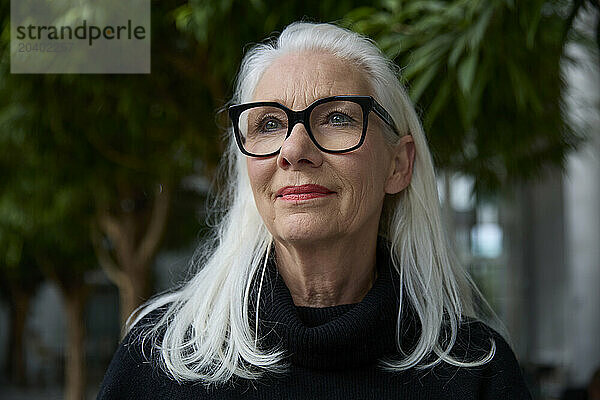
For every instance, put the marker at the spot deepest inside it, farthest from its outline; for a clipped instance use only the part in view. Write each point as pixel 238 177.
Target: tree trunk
pixel 75 360
pixel 134 292
pixel 135 235
pixel 18 317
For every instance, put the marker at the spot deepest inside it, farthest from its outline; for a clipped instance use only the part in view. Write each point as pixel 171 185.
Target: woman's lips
pixel 302 192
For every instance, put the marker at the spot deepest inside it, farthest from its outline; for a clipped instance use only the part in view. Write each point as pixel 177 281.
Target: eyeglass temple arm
pixel 385 116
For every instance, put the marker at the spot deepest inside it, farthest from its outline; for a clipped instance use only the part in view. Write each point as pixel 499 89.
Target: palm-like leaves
pixel 487 75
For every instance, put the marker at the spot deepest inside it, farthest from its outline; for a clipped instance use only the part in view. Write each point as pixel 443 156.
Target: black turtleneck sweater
pixel 333 354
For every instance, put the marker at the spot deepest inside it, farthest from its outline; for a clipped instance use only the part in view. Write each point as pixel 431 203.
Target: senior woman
pixel 329 276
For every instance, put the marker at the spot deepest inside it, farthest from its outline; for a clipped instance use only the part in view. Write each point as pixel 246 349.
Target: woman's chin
pixel 304 228
pixel 302 237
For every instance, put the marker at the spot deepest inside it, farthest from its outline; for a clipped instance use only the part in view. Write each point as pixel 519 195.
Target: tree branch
pixel 157 226
pixel 110 268
pixel 110 226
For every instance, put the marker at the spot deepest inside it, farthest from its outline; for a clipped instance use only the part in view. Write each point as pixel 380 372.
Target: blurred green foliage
pixel 72 144
pixel 77 144
pixel 487 77
pixel 73 147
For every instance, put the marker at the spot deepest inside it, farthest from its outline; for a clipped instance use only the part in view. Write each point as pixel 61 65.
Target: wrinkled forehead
pixel 297 80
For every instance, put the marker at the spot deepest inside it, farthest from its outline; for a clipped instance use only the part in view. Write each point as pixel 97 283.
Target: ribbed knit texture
pixel 333 354
pixel 339 337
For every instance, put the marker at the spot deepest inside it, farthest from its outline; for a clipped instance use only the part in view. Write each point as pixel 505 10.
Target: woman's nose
pixel 298 150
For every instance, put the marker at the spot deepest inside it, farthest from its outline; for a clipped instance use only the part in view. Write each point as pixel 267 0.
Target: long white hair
pixel 205 332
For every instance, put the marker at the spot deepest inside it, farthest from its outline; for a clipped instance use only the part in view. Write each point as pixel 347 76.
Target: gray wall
pixel 582 197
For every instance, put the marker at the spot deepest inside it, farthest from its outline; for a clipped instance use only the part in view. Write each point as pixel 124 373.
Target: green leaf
pixel 457 51
pixel 466 72
pixel 477 33
pixel 439 102
pixel 532 28
pixel 430 53
pixel 427 6
pixel 360 13
pixel 421 83
pixel 183 17
pixel 523 88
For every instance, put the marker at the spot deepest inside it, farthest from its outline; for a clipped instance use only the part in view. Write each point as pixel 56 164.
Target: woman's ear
pixel 403 157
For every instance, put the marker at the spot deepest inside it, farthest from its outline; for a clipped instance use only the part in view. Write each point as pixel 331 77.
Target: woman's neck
pixel 328 273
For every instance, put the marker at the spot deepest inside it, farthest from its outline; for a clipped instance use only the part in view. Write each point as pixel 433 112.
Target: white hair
pixel 206 333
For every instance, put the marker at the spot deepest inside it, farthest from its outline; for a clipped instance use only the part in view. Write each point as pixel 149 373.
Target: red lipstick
pixel 302 192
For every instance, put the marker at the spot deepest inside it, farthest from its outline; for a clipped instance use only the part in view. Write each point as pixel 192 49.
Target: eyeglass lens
pixel 335 125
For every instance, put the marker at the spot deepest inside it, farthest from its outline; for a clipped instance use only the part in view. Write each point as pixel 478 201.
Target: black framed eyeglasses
pixel 335 124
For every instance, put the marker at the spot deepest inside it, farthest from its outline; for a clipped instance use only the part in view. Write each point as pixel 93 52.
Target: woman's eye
pixel 270 125
pixel 339 119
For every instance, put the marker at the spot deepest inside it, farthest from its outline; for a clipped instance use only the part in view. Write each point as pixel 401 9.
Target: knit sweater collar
pixel 337 337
